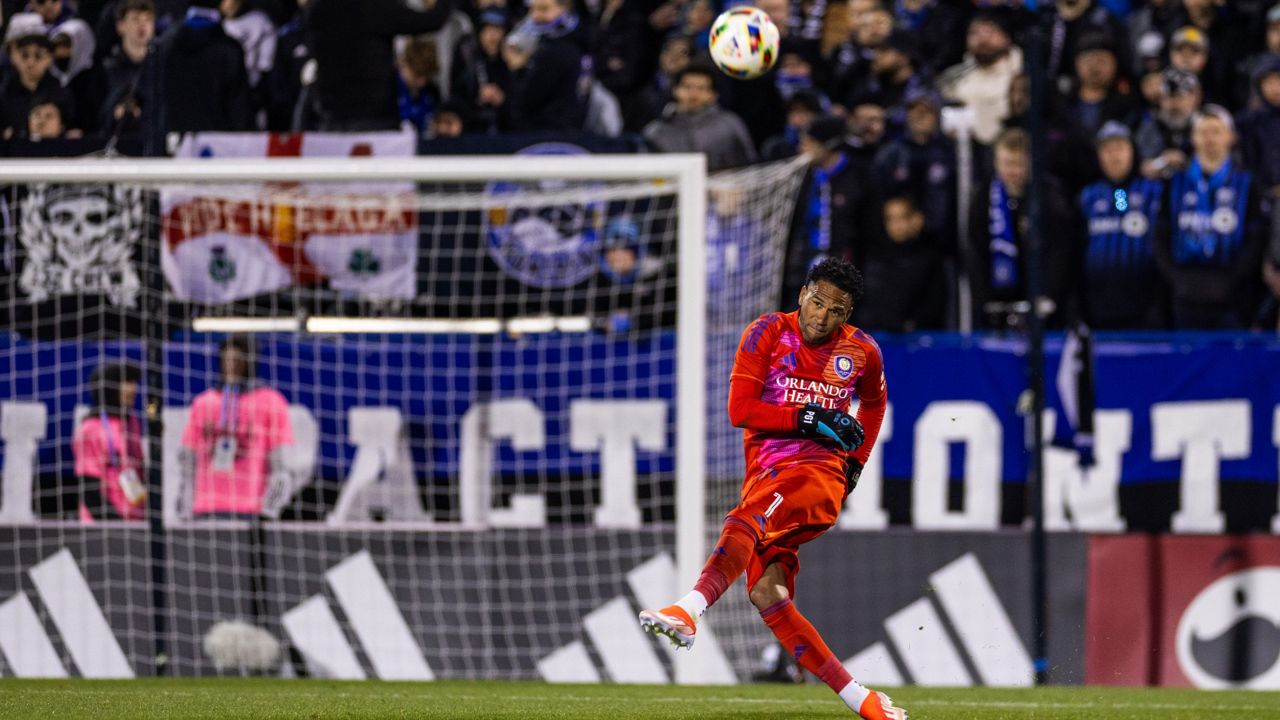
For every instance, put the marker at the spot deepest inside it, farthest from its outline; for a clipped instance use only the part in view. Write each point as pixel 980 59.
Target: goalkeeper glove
pixel 813 420
pixel 852 473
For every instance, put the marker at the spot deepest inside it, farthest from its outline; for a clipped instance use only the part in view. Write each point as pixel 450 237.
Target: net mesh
pixel 483 486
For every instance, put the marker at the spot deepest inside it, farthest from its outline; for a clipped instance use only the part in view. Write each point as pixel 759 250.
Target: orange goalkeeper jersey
pixel 775 372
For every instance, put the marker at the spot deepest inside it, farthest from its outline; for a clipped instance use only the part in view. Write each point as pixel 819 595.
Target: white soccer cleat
pixel 671 622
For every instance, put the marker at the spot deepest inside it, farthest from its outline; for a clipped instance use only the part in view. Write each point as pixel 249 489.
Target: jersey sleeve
pixel 873 397
pixel 750 367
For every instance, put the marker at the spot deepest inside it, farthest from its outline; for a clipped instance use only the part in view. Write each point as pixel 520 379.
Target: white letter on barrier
pixel 616 427
pixel 1091 494
pixel 22 425
pixel 523 424
pixel 863 511
pixel 175 423
pixel 1202 434
pixel 974 424
pixel 381 477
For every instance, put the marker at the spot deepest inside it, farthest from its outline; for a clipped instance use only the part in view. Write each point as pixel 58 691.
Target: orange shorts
pixel 788 507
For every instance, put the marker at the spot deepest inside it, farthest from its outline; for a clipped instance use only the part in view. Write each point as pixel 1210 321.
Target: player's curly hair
pixel 841 273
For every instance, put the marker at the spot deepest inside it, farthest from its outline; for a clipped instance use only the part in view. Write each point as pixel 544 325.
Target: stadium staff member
pixel 233 447
pixel 793 378
pixel 1212 244
pixel 107 447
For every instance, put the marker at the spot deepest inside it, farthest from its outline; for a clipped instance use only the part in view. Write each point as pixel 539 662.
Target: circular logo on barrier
pixel 1134 224
pixel 1229 636
pixel 554 244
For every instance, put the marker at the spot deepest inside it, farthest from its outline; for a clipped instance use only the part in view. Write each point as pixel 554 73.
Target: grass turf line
pixel 269 699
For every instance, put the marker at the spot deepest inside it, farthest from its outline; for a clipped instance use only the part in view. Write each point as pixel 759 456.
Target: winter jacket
pixel 552 90
pixel 1259 131
pixel 984 89
pixel 351 41
pixel 713 131
pixel 203 85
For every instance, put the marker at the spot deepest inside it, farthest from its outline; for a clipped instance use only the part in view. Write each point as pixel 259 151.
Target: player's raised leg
pixel 799 637
pixel 679 622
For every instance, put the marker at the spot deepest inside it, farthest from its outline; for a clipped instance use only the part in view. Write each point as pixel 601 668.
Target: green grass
pixel 322 700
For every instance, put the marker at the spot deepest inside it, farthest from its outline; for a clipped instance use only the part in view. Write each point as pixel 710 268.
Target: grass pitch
pixel 216 699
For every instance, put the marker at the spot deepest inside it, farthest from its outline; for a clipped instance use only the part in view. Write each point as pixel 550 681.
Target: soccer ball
pixel 744 42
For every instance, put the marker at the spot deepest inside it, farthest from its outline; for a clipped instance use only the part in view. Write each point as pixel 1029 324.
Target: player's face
pixel 823 309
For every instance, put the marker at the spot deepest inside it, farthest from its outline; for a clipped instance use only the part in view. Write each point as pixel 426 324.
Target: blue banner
pixel 1171 389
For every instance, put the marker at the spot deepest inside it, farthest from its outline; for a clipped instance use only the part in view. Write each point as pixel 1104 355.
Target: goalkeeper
pixel 792 382
pixel 233 463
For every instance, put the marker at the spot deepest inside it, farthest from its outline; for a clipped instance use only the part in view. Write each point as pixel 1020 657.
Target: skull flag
pixel 80 240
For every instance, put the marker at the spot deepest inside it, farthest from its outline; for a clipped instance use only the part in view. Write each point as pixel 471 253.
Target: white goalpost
pixel 500 430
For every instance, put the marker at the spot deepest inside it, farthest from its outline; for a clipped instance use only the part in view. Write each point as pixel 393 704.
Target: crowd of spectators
pixel 1161 118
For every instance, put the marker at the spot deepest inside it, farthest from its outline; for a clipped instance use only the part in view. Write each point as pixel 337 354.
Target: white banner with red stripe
pixel 226 243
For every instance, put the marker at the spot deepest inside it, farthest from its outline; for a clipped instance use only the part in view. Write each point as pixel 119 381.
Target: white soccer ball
pixel 744 42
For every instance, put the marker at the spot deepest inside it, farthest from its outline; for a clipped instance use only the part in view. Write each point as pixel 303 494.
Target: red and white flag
pixel 224 243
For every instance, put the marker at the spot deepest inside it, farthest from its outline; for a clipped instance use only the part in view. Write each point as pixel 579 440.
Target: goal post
pixel 481 386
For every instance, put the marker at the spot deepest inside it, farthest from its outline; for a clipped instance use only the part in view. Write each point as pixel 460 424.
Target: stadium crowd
pixel 1157 209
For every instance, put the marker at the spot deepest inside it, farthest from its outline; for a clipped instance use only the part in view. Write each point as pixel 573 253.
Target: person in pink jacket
pixel 233 446
pixel 107 447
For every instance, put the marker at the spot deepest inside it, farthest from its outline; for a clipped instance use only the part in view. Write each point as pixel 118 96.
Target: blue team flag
pixel 1074 427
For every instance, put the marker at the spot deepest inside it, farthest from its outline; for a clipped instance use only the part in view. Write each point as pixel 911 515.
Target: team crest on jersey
pixel 1224 220
pixel 844 366
pixel 550 245
pixel 1134 224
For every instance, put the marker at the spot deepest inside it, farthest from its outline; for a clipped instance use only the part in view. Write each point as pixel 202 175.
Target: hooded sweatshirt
pixel 202 79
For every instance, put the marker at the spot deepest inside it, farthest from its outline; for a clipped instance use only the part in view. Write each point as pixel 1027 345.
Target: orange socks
pixel 802 640
pixel 727 561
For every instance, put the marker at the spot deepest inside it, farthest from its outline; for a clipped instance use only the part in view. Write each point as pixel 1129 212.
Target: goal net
pixel 399 419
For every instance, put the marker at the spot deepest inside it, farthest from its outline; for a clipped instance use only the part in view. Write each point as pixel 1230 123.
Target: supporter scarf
pixel 1205 244
pixel 819 215
pixel 417 110
pixel 561 26
pixel 1004 244
pixel 789 84
pixel 198 17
